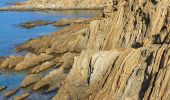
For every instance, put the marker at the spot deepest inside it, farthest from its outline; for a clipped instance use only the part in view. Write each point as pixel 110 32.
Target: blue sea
pixel 11 35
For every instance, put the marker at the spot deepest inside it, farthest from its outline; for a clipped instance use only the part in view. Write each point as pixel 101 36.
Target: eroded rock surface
pixel 52 81
pixel 32 60
pixel 30 79
pixel 122 56
pixel 64 22
pixel 36 23
pixel 22 97
pixel 12 92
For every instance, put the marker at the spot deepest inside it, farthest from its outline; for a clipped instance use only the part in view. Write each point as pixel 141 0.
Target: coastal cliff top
pixel 57 5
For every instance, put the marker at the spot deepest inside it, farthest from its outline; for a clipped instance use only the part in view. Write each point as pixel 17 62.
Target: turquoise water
pixel 12 35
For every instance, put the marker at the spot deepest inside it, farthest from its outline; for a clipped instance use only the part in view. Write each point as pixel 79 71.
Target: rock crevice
pixel 123 56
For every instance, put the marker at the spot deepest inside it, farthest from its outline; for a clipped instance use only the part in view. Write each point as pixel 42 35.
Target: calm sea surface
pixel 12 35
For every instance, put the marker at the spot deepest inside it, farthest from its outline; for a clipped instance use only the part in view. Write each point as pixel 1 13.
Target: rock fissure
pixel 123 55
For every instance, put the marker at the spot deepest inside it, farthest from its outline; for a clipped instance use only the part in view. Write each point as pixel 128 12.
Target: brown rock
pixel 42 67
pixel 74 40
pixel 124 56
pixel 30 79
pixel 15 3
pixel 66 60
pixel 81 76
pixel 11 62
pixel 64 22
pixel 63 39
pixel 22 97
pixel 33 24
pixel 2 88
pixel 2 59
pixel 38 45
pixel 12 92
pixel 140 73
pixel 32 60
pixel 53 80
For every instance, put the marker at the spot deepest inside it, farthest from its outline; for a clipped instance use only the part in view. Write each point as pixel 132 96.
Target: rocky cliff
pixel 123 56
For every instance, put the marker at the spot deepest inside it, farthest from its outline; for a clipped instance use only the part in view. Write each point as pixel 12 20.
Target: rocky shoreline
pixel 124 55
pixel 38 5
pixel 61 22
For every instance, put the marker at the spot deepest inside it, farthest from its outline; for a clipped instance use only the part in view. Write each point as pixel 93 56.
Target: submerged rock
pixel 33 24
pixel 12 92
pixel 22 97
pixel 2 88
pixel 2 59
pixel 15 3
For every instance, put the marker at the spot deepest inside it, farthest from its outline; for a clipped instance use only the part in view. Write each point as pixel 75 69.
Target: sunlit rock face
pixel 129 57
pixel 122 56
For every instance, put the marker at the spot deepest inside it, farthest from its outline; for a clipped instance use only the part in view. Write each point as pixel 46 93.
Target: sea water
pixel 11 35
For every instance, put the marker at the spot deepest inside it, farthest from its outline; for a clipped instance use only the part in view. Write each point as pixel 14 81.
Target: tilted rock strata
pixel 32 60
pixel 12 92
pixel 22 97
pixel 64 40
pixel 53 80
pixel 30 79
pixel 124 55
pixel 131 74
pixel 42 67
pixel 137 73
pixel 64 22
pixel 87 69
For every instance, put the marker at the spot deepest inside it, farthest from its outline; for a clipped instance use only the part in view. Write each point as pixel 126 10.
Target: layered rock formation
pixel 123 56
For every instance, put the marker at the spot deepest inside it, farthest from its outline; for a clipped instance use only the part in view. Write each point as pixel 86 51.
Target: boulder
pixel 51 81
pixel 32 60
pixel 11 62
pixel 30 79
pixel 42 67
